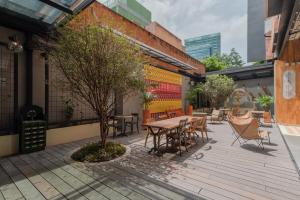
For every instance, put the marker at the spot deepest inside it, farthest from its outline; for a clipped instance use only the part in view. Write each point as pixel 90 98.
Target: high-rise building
pixel 256 50
pixel 130 9
pixel 203 46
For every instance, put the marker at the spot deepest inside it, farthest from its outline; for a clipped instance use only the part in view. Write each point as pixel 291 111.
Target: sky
pixel 191 18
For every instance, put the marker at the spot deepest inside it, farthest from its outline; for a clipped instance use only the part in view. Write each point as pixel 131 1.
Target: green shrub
pixel 94 153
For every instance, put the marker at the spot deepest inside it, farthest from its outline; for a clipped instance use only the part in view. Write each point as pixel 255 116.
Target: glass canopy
pixel 48 11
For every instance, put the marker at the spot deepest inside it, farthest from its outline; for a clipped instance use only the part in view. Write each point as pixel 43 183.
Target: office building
pixel 256 50
pixel 203 46
pixel 130 9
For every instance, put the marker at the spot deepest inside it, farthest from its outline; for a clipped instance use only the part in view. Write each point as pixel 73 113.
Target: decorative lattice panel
pixel 58 96
pixel 7 121
pixel 168 91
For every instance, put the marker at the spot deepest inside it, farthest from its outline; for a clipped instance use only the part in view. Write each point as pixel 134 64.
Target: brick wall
pixel 161 32
pixel 98 13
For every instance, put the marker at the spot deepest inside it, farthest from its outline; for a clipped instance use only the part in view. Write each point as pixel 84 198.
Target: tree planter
pixel 146 115
pixel 190 110
pixel 267 117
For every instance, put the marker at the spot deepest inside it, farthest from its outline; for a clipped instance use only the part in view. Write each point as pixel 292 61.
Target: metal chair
pixel 115 125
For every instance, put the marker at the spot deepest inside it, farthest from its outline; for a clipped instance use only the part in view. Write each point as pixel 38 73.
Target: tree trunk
pixel 102 133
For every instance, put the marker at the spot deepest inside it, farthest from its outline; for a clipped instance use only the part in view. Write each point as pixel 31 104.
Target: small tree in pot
pixel 192 96
pixel 265 101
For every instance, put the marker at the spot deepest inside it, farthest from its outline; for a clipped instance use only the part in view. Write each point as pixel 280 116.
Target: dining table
pixel 162 127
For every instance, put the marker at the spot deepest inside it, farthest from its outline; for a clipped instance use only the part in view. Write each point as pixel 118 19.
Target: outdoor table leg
pixel 123 128
pixel 156 142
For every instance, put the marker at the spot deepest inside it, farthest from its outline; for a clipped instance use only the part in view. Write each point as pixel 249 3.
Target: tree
pixel 218 88
pixel 98 67
pixel 214 63
pixel 233 59
pixel 219 62
pixel 194 92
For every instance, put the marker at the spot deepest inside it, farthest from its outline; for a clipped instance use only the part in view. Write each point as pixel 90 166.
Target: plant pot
pixel 146 115
pixel 267 116
pixel 190 110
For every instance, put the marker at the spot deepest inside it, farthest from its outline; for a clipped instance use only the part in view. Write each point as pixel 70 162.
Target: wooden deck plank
pixel 59 184
pixel 190 174
pixel 47 190
pixel 105 180
pixel 213 170
pixel 23 184
pixel 96 184
pixel 153 190
pixel 75 182
pixel 203 182
pixel 151 193
pixel 157 189
pixel 200 169
pixel 8 189
pixel 1 196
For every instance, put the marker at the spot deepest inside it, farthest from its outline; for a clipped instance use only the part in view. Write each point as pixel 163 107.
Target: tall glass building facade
pixel 203 46
pixel 130 9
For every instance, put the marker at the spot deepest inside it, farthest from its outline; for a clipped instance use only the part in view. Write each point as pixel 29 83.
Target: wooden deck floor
pixel 213 170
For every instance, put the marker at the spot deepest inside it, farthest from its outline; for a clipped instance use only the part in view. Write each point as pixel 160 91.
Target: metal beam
pixel 58 6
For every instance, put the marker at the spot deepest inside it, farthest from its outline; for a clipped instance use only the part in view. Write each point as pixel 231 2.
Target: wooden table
pixel 163 127
pixel 123 118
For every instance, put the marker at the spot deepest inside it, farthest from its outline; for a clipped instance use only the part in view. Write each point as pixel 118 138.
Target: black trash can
pixel 32 129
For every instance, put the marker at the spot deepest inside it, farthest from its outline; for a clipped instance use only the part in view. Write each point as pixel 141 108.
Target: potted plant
pixel 69 109
pixel 192 96
pixel 265 101
pixel 148 97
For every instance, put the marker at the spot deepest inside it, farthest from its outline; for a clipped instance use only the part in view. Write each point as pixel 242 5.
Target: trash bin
pixel 32 129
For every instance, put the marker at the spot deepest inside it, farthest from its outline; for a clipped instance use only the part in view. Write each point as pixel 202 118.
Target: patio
pixel 214 170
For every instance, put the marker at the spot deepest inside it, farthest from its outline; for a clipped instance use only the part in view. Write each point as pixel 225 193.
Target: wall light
pixel 14 44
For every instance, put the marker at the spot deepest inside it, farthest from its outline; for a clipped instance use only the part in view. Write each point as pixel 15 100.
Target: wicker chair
pixel 215 116
pixel 191 130
pixel 179 135
pixel 202 127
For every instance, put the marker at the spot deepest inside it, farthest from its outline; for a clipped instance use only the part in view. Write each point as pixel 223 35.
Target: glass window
pixel 39 10
pixel 32 8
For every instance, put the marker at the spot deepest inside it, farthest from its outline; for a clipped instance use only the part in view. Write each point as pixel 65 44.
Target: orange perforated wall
pixel 168 91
